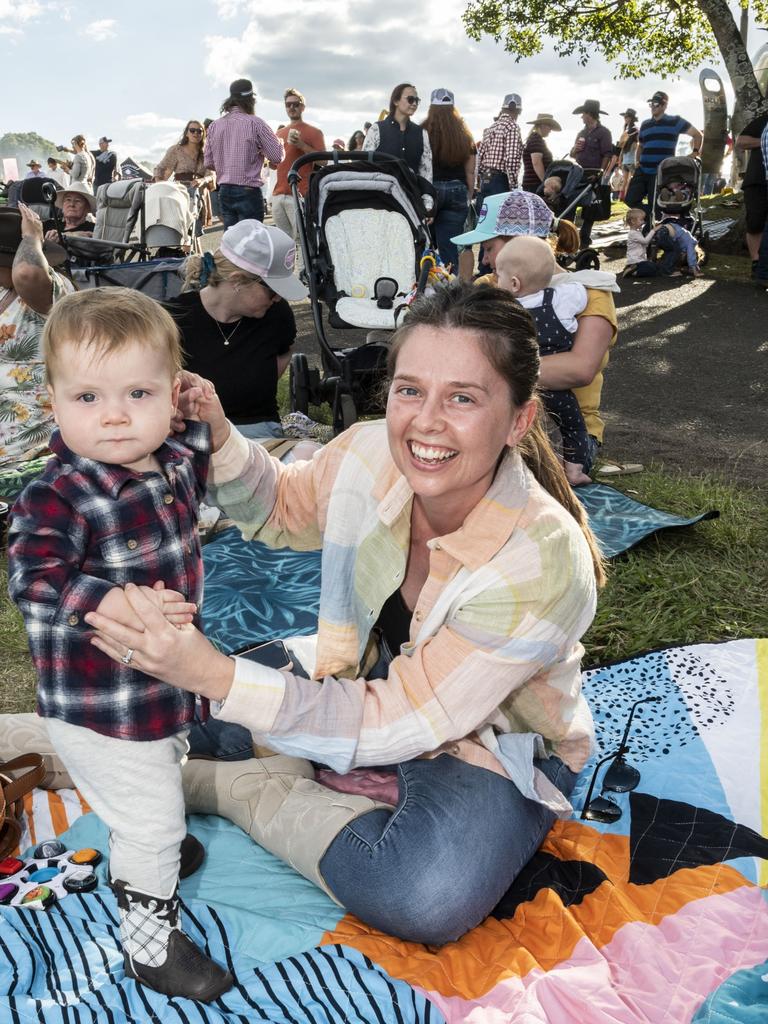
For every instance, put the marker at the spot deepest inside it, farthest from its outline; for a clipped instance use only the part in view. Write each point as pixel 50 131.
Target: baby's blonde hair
pixel 532 261
pixel 634 214
pixel 110 319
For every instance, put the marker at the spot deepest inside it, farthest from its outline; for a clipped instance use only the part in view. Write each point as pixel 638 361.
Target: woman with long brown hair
pixel 184 160
pixel 453 170
pixel 459 574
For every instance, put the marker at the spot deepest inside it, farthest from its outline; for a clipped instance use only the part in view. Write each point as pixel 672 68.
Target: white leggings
pixel 135 788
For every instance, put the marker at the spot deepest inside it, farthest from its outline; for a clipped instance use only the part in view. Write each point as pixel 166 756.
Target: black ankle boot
pixel 187 972
pixel 152 923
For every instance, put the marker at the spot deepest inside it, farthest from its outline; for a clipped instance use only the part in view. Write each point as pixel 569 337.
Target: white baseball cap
pixel 266 252
pixel 512 99
pixel 441 98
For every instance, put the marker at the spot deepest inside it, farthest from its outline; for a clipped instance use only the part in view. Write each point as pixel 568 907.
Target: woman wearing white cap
pixel 453 170
pixel 236 326
pixel 78 206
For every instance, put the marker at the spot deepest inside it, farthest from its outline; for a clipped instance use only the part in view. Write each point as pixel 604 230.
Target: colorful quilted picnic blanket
pixel 659 917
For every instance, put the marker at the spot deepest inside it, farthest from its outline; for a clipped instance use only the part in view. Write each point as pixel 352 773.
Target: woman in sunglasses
pixel 397 135
pixel 184 160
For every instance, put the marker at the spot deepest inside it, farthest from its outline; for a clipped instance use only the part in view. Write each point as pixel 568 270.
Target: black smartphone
pixel 273 654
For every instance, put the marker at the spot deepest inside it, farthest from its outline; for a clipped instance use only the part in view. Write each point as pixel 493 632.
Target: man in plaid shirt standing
pixel 499 157
pixel 236 147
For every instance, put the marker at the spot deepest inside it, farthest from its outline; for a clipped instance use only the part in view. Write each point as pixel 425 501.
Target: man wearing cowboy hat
pixel 536 154
pixel 35 170
pixel 592 149
pixel 657 140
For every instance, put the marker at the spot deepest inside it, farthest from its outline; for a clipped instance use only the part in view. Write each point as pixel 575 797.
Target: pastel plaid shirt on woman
pixel 236 147
pixel 502 148
pixel 494 645
pixel 81 529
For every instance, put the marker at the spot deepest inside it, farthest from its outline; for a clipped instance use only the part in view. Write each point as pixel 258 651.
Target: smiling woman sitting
pixel 458 577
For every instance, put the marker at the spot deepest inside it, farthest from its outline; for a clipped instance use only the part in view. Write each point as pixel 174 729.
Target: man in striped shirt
pixel 657 140
pixel 237 145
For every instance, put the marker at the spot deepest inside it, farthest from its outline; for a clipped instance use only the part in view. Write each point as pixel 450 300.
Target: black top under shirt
pixel 755 172
pixel 244 372
pixel 394 622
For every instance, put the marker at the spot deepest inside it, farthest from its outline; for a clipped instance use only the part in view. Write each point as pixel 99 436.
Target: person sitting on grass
pixel 525 267
pixel 118 504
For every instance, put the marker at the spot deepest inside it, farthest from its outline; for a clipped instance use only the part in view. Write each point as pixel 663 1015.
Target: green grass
pixel 700 584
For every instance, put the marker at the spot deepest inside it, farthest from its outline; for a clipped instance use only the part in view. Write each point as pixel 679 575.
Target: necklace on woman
pixel 226 337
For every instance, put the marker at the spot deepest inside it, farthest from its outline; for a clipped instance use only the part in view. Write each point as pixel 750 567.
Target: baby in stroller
pixel 525 267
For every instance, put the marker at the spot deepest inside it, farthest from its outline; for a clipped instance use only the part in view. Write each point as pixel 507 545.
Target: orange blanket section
pixel 59 818
pixel 542 933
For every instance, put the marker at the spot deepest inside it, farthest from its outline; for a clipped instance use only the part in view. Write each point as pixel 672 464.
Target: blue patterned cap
pixel 509 214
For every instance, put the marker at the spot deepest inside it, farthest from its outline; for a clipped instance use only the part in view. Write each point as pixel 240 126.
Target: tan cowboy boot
pixel 26 734
pixel 278 803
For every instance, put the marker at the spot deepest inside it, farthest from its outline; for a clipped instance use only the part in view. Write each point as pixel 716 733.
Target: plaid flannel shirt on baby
pixel 82 528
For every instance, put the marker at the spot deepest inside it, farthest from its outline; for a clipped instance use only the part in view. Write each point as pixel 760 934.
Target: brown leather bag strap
pixel 15 788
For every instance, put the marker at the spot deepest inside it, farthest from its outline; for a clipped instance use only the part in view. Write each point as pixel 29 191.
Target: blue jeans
pixel 223 741
pixel 671 249
pixel 439 864
pixel 497 184
pixel 240 202
pixel 642 186
pixel 761 269
pixel 452 200
pixel 259 431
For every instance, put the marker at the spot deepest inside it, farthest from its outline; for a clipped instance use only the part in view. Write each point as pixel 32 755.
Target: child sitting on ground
pixel 525 267
pixel 671 238
pixel 117 507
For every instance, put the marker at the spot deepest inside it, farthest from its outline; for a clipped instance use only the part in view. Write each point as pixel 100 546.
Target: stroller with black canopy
pixel 363 234
pixel 678 194
pixel 579 186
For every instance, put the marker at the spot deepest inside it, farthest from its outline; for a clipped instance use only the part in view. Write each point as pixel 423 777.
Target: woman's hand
pixel 181 657
pixel 52 235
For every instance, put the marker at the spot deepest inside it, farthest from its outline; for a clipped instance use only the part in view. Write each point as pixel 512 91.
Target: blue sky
pixel 137 71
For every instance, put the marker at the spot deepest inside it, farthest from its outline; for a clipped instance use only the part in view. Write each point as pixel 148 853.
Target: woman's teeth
pixel 431 455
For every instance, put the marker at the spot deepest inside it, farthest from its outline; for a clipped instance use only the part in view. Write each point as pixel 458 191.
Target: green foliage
pixel 638 37
pixel 13 143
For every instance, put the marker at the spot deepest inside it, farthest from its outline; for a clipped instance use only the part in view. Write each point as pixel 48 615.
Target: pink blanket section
pixel 659 973
pixel 364 781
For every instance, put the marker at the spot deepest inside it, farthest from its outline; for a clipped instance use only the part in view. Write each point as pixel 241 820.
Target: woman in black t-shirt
pixel 236 327
pixel 536 155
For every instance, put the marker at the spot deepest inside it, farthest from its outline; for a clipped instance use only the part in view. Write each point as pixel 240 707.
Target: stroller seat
pixel 119 206
pixel 358 263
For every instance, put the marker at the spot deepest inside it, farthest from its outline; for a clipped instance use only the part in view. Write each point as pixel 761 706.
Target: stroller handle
pixel 337 156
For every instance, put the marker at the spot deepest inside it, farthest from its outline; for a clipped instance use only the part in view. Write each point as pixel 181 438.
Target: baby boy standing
pixel 117 505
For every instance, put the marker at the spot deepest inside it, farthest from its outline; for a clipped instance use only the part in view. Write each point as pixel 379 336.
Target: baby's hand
pixel 171 603
pixel 210 410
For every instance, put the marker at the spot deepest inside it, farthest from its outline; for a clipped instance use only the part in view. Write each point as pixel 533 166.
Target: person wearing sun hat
pixel 516 213
pixel 35 170
pixel 536 154
pixel 593 150
pixel 77 203
pixel 237 328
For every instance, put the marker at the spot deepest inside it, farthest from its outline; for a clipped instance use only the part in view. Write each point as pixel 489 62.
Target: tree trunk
pixel 749 99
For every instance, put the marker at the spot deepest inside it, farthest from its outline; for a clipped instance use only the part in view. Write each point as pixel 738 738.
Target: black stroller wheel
pixel 299 383
pixel 587 260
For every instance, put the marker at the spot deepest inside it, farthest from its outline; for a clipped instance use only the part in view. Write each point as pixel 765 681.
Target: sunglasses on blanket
pixel 620 777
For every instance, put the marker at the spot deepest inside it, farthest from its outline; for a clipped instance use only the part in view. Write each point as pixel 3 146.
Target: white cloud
pixel 153 120
pixel 20 10
pixel 7 30
pixel 98 31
